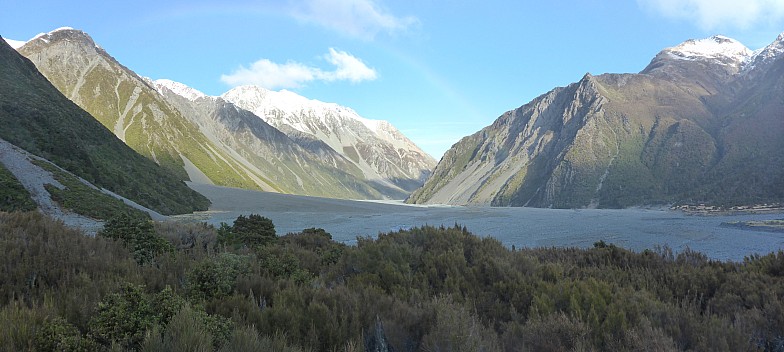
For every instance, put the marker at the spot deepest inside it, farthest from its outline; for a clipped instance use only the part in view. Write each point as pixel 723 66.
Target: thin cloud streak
pixel 716 14
pixel 362 19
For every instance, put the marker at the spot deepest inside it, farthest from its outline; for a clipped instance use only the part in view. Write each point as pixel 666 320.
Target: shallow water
pixel 636 229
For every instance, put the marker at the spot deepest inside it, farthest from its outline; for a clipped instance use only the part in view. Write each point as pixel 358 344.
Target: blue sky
pixel 438 70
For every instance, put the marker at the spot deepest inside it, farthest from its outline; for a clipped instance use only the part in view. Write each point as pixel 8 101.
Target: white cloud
pixel 272 75
pixel 358 18
pixel 348 67
pixel 714 14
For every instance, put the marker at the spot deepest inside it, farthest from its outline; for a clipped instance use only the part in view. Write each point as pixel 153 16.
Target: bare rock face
pixel 700 124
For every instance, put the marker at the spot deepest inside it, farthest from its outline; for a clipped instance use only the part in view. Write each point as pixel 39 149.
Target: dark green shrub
pixel 124 317
pixel 59 335
pixel 251 231
pixel 216 277
pixel 138 235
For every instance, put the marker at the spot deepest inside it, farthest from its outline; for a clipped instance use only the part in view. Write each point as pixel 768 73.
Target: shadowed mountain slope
pixel 702 123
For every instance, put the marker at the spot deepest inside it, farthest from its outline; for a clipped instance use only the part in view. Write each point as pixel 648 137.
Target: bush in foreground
pixel 422 289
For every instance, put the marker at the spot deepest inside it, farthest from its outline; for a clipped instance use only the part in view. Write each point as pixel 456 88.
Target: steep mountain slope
pixel 205 139
pixel 36 117
pixel 266 154
pixel 376 147
pixel 129 106
pixel 700 124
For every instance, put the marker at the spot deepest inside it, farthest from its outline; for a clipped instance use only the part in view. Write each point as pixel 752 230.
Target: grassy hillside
pixel 36 117
pixel 426 289
pixel 13 196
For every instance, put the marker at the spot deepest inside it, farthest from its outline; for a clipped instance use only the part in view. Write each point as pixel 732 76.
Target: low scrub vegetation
pixel 424 289
pixel 13 196
pixel 84 200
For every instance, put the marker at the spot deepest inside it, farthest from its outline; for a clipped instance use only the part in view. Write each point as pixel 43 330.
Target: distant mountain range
pixel 209 139
pixel 702 123
pixel 375 147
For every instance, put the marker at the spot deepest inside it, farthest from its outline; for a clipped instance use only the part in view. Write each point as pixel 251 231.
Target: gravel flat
pixel 637 229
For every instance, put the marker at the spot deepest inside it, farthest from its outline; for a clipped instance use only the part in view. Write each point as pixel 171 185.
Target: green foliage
pixel 313 248
pixel 19 324
pixel 13 196
pixel 281 263
pixel 125 317
pixel 254 230
pixel 185 332
pixel 248 339
pixel 251 231
pixel 82 199
pixel 59 335
pixel 216 277
pixel 35 116
pixel 421 289
pixel 138 235
pixel 456 329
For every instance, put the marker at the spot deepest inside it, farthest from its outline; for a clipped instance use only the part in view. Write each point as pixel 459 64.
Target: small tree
pixel 138 235
pixel 251 231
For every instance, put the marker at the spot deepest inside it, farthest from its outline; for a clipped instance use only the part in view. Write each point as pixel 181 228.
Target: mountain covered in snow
pixel 274 160
pixel 196 137
pixel 703 122
pixel 376 147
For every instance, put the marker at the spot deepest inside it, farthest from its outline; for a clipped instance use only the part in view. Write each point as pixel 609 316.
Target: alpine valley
pixel 210 140
pixel 105 176
pixel 702 123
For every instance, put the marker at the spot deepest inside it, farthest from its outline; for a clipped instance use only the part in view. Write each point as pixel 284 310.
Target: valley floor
pixel 636 229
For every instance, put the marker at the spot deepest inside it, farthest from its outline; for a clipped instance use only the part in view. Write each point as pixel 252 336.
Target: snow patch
pixel 716 48
pixel 264 102
pixel 62 29
pixel 179 89
pixel 44 36
pixel 766 54
pixel 16 44
pixel 379 149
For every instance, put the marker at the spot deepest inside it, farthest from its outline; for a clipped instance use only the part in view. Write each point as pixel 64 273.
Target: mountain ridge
pixel 375 146
pixel 668 134
pixel 263 149
pixel 141 115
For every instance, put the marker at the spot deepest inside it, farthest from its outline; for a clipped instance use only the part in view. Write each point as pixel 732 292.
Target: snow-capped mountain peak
pixel 179 89
pixel 45 35
pixel 374 146
pixel 718 48
pixel 264 102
